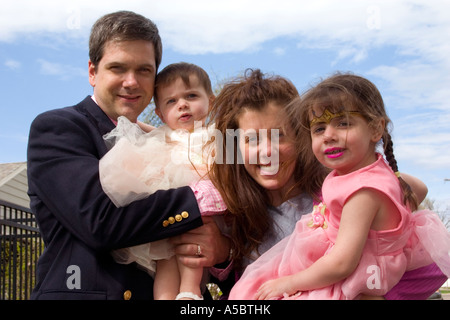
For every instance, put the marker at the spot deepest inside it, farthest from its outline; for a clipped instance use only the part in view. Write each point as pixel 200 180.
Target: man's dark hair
pixel 123 26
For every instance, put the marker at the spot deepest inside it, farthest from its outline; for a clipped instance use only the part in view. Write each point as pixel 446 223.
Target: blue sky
pixel 402 46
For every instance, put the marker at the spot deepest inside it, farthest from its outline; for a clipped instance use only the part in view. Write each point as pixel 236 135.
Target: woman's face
pixel 268 153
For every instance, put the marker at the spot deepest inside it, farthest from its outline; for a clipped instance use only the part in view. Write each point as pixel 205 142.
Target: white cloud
pixel 414 83
pixel 205 26
pixel 13 64
pixel 355 55
pixel 426 153
pixel 279 51
pixel 422 139
pixel 64 72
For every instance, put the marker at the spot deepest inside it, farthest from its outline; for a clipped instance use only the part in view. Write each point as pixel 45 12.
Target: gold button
pixel 185 214
pixel 171 220
pixel 165 223
pixel 178 217
pixel 127 295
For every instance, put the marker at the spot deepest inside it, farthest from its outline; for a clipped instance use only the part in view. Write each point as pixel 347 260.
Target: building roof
pixel 14 183
pixel 9 170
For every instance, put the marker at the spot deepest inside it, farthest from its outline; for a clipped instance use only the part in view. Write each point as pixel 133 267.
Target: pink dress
pixel 419 239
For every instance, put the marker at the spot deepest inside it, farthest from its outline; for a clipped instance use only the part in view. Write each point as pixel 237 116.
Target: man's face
pixel 124 79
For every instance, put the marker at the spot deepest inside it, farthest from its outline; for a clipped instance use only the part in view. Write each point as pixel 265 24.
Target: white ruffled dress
pixel 140 163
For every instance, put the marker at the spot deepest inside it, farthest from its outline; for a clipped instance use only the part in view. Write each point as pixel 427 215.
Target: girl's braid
pixel 389 152
pixel 408 195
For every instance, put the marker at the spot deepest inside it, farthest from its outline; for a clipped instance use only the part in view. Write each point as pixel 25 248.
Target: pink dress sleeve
pixel 209 200
pixel 417 284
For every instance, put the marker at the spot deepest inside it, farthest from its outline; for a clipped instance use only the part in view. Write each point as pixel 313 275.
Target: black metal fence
pixel 20 245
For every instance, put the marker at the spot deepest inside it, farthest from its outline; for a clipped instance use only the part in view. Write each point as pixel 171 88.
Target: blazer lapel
pixel 96 115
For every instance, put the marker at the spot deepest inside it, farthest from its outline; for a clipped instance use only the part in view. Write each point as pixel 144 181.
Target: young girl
pixel 362 237
pixel 170 156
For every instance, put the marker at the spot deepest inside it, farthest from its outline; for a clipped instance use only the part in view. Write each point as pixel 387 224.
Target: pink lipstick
pixel 333 153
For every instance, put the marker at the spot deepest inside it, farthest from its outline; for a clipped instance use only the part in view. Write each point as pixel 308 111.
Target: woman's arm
pixel 343 259
pixel 418 187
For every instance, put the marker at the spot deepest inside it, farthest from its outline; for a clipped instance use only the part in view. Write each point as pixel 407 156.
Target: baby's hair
pixel 182 70
pixel 349 92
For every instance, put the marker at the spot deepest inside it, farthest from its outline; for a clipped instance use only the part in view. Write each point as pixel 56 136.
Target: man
pixel 78 222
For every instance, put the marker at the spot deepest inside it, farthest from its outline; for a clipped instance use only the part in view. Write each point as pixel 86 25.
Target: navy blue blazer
pixel 78 222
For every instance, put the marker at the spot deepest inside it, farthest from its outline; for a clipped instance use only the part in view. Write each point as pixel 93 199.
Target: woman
pixel 252 107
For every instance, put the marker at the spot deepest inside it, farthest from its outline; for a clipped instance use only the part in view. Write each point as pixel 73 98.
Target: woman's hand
pixel 214 246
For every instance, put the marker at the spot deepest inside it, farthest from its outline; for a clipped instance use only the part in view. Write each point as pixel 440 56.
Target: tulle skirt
pixel 382 264
pixel 139 164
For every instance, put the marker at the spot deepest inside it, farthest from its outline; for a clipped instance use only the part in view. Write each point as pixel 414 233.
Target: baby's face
pixel 179 106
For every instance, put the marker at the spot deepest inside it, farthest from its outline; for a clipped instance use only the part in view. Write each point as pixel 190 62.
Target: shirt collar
pixel 113 121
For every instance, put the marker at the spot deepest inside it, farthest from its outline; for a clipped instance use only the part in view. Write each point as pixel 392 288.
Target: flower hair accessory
pixel 318 217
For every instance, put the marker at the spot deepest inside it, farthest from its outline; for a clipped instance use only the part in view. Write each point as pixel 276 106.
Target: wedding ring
pixel 199 251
